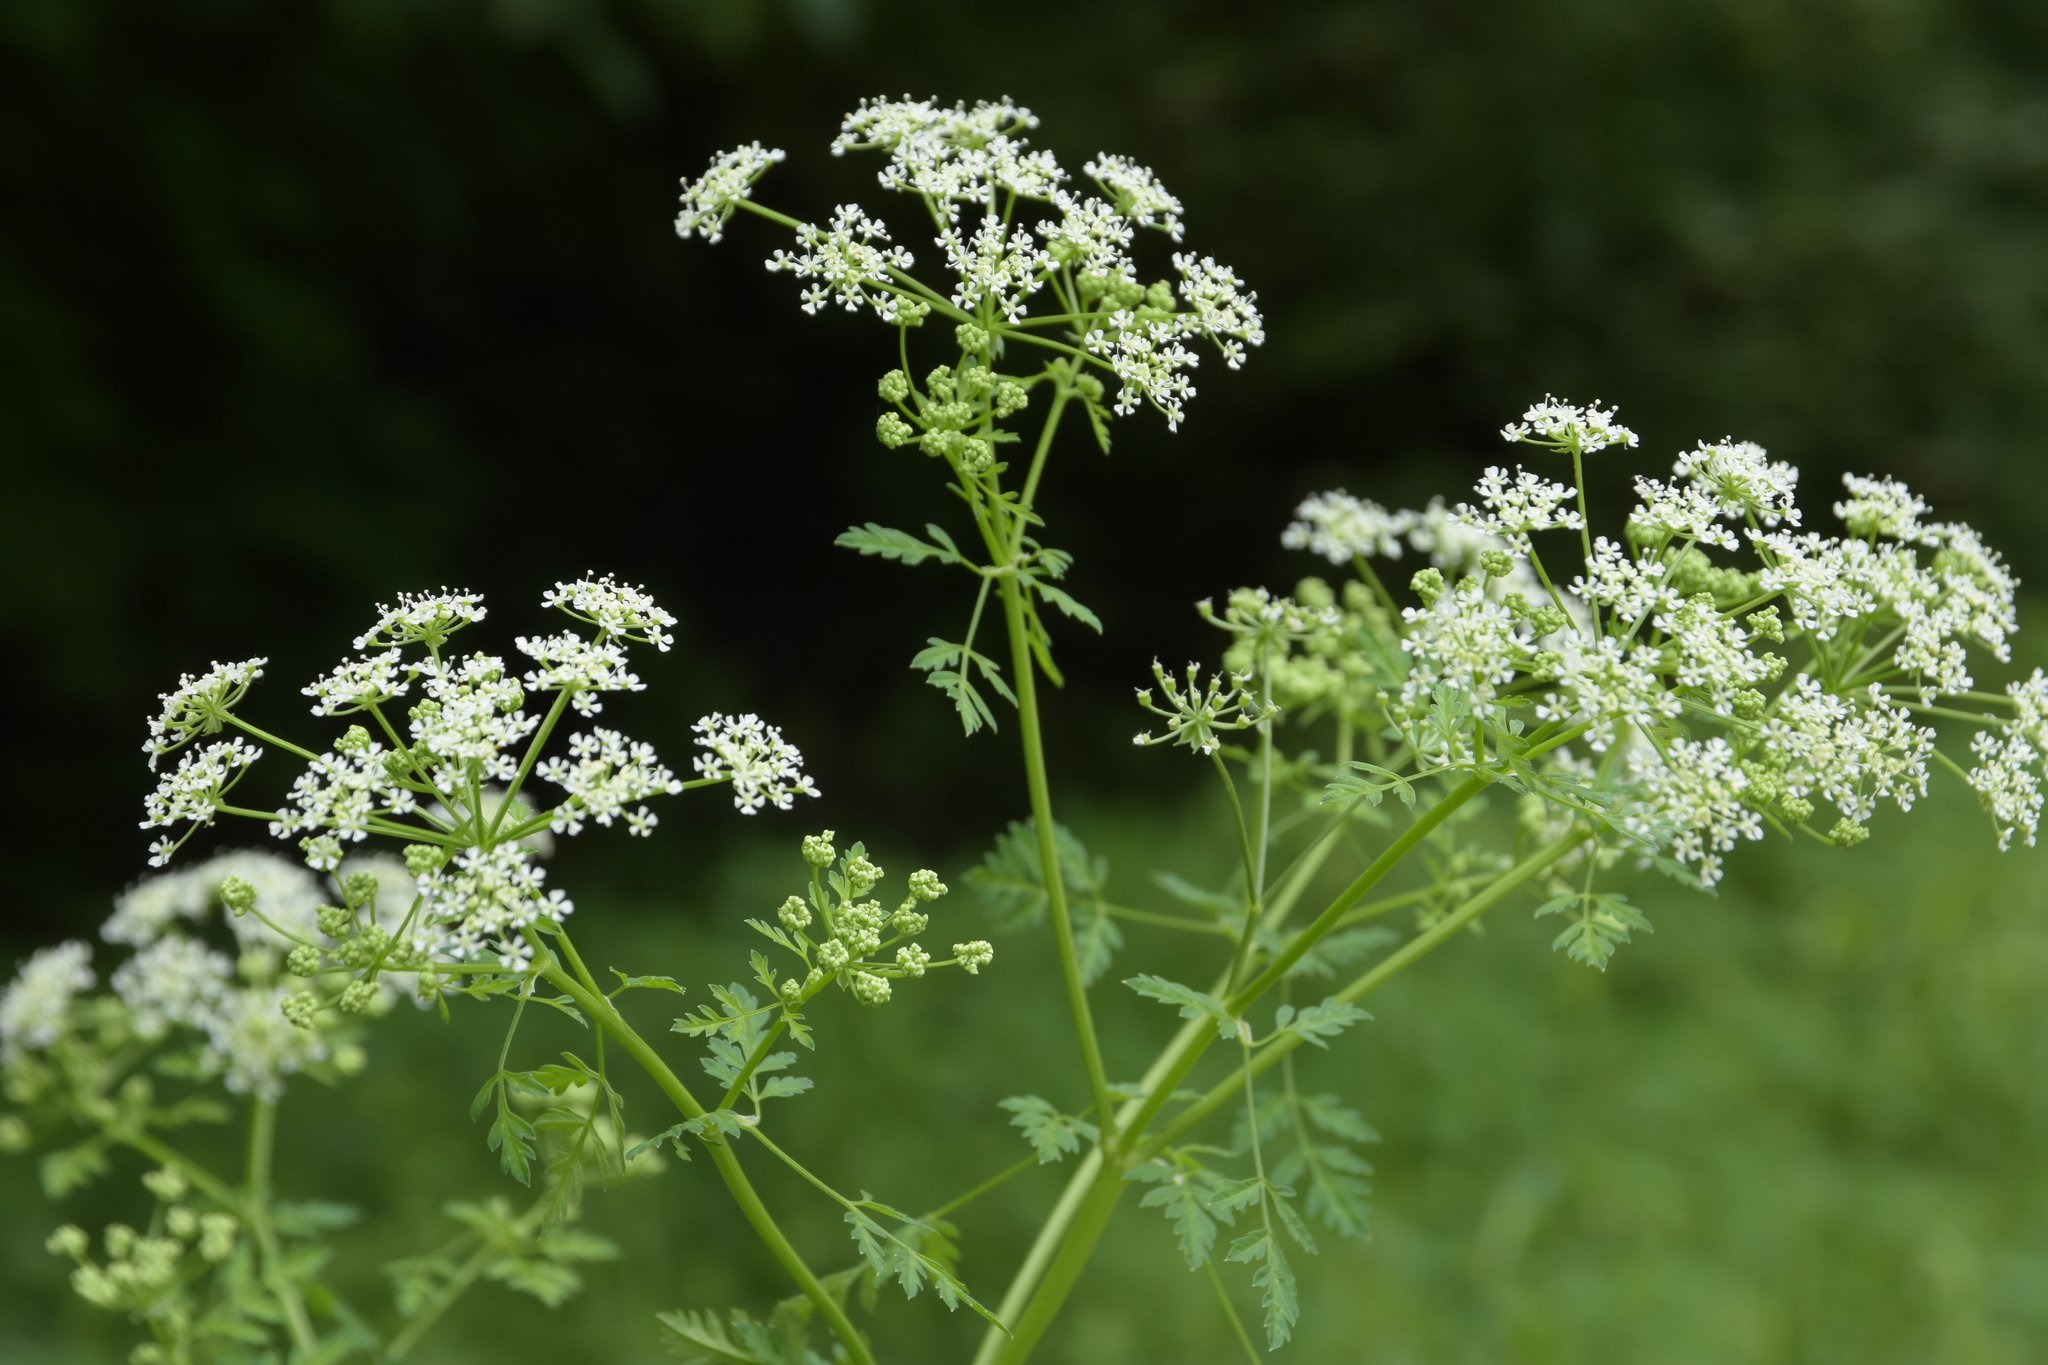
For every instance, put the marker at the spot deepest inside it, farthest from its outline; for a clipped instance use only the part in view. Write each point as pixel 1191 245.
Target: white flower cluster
pixel 1511 509
pixel 36 1006
pixel 618 610
pixel 1196 714
pixel 449 784
pixel 954 156
pixel 846 264
pixel 764 769
pixel 175 981
pixel 422 619
pixel 604 773
pixel 194 792
pixel 1665 663
pixel 1566 427
pixel 199 706
pixel 709 200
pixel 1341 528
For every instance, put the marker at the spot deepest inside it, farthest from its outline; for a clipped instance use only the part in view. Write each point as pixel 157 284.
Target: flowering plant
pixel 1712 672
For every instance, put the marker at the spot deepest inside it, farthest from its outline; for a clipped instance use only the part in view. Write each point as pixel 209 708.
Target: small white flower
pixel 1743 479
pixel 195 790
pixel 1682 512
pixel 175 982
pixel 475 907
pixel 1090 235
pixel 606 773
pixel 709 200
pixel 998 264
pixel 358 684
pixel 1220 307
pixel 582 668
pixel 1883 507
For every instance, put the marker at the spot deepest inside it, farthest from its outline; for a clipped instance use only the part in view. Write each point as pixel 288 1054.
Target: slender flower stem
pixel 602 1012
pixel 271 739
pixel 458 1284
pixel 999 1178
pixel 256 1212
pixel 1025 669
pixel 1227 1090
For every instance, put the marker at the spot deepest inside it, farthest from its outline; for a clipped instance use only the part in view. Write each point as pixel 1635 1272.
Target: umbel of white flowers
pixel 977 176
pixel 448 754
pixel 1664 657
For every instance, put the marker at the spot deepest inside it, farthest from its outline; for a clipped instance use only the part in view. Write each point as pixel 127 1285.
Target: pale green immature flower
pixel 975 955
pixel 238 894
pixel 833 955
pixel 36 1006
pixel 300 1007
pixel 818 850
pixel 710 200
pixel 166 1183
pixel 69 1241
pixel 794 914
pixel 892 431
pixel 764 769
pixel 1197 714
pixel 925 885
pixel 217 1235
pixel 861 875
pixel 893 387
pixel 913 959
pixel 303 960
pixel 868 988
pixel 357 997
pixel 199 706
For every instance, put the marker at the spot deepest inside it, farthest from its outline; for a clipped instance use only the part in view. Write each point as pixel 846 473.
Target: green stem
pixel 1060 394
pixel 256 1210
pixel 1251 876
pixel 1226 1091
pixel 457 1285
pixel 1025 669
pixel 601 1010
pixel 269 738
pixel 962 1201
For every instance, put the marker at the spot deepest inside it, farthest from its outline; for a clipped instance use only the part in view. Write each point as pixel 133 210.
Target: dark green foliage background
pixel 303 304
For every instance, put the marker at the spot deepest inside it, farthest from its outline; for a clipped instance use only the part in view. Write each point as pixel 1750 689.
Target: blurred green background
pixel 301 305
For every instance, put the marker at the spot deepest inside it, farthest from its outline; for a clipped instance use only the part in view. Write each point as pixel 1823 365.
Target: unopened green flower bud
pixel 1749 703
pixel 182 1223
pixel 1011 398
pixel 300 1007
pixel 357 996
pixel 832 955
pixel 1088 388
pixel 217 1233
pixel 167 1183
pixel 794 914
pixel 913 959
pixel 335 922
pixel 893 387
pixel 1796 808
pixel 354 740
pixel 908 919
pixel 1544 665
pixel 818 850
pixel 861 875
pixel 1497 563
pixel 912 312
pixel 972 338
pixel 792 990
pixel 1765 625
pixel 1847 833
pixel 303 960
pixel 868 988
pixel 350 1059
pixel 420 859
pixel 892 431
pixel 238 895
pixel 69 1240
pixel 1160 295
pixel 358 889
pixel 1548 619
pixel 974 956
pixel 1428 584
pixel 925 885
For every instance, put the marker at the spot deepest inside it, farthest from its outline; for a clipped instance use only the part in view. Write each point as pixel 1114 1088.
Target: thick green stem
pixel 601 1012
pixel 1025 669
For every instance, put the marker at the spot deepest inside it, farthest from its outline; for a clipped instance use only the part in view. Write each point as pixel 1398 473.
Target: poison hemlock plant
pixel 1650 694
